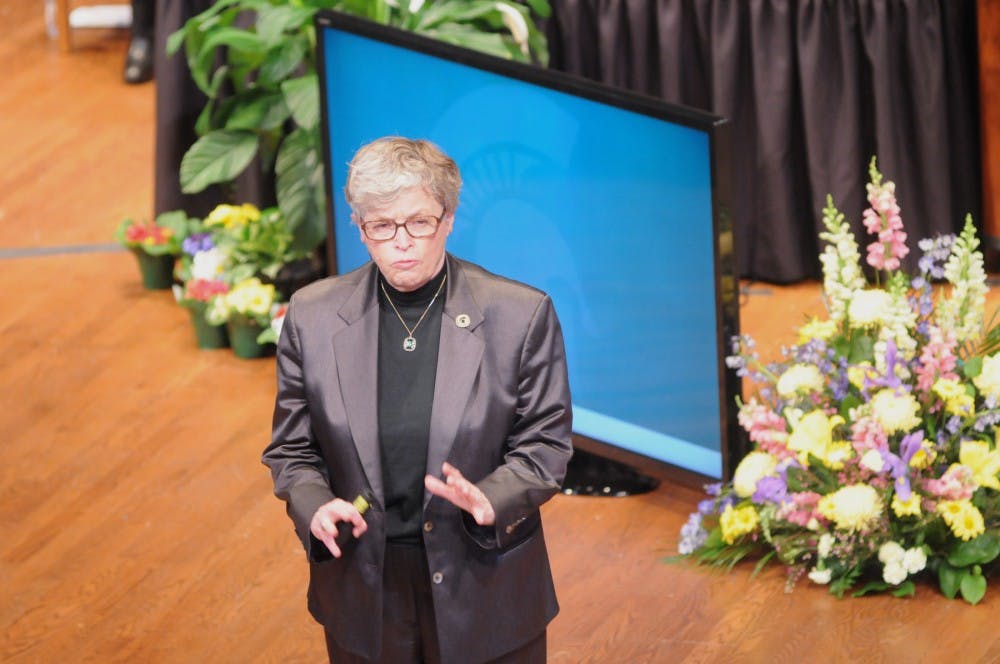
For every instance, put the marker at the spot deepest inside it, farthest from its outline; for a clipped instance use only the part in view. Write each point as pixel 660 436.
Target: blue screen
pixel 607 210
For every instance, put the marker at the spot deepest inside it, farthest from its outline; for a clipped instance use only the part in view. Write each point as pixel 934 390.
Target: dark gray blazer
pixel 501 415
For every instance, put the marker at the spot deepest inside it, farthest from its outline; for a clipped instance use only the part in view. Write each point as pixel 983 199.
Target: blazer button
pixel 428 526
pixel 437 578
pixel 509 529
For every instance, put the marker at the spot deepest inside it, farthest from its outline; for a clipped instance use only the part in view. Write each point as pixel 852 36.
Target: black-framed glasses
pixel 422 225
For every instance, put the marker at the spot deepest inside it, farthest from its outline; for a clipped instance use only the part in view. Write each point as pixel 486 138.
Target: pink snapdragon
pixel 766 428
pixel 867 434
pixel 882 219
pixel 937 359
pixel 801 509
pixel 957 483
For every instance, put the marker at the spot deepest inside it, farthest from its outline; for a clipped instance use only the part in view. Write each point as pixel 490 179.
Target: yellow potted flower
pixel 246 311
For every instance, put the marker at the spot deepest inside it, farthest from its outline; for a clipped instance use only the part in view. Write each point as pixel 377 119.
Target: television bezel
pixel 733 445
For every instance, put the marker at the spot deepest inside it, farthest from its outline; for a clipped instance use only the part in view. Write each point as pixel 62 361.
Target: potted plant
pixel 246 311
pixel 259 243
pixel 198 296
pixel 155 245
pixel 263 100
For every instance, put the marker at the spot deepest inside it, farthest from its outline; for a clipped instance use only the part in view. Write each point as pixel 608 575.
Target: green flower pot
pixel 208 336
pixel 157 271
pixel 243 339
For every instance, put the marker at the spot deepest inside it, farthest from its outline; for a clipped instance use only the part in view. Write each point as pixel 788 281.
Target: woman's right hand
pixel 324 525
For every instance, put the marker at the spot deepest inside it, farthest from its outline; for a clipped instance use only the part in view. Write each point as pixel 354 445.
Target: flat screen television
pixel 615 204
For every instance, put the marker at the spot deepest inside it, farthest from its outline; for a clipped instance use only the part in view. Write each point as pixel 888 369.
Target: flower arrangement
pixel 875 456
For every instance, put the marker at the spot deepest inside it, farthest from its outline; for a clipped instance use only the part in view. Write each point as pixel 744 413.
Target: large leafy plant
pixel 255 60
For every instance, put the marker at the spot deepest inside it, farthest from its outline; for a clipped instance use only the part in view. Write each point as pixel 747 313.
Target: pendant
pixel 409 344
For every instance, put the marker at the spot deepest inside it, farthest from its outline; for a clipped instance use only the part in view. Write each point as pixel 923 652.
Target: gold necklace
pixel 410 342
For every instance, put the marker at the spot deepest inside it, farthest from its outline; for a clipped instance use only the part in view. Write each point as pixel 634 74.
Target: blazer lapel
pixel 356 352
pixel 459 355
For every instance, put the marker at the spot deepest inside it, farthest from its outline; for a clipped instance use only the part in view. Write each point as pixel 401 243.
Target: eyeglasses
pixel 423 225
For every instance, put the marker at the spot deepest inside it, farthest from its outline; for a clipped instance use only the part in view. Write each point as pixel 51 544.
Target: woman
pixel 439 391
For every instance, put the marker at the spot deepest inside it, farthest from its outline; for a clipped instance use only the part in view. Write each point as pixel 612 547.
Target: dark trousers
pixel 409 632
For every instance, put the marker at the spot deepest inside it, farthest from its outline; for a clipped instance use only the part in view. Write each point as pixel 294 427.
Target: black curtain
pixel 814 89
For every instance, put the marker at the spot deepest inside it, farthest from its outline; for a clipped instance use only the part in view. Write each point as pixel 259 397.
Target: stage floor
pixel 136 522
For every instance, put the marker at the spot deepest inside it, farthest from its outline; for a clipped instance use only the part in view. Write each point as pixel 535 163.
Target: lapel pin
pixel 463 320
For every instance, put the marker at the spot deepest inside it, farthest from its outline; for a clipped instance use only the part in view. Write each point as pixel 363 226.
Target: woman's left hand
pixel 462 493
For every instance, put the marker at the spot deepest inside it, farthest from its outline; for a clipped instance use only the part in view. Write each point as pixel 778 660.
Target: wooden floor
pixel 136 522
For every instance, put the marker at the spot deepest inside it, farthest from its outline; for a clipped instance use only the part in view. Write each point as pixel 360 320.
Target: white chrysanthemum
pixel 800 379
pixel 753 467
pixel 963 310
pixel 869 308
pixel 894 573
pixel 853 508
pixel 890 552
pixel 841 261
pixel 895 413
pixel 914 560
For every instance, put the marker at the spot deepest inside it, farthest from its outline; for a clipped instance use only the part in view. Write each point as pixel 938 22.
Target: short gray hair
pixel 382 169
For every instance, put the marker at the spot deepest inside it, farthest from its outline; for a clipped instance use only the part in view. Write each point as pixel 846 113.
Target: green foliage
pixel 981 550
pixel 263 99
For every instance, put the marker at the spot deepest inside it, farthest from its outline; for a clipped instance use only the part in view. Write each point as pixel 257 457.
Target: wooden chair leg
pixel 62 24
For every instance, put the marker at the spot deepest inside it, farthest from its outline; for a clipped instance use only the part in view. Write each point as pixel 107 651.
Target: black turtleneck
pixel 405 396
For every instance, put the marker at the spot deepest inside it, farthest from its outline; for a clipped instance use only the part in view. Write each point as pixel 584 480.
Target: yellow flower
pixel 868 308
pixel 853 508
pixel 910 507
pixel 250 296
pixel 837 453
pixel 983 462
pixel 988 380
pixel 800 378
pixel 752 468
pixel 817 329
pixel 250 212
pixel 895 413
pixel 956 400
pixel 813 434
pixel 964 518
pixel 923 456
pixel 737 522
pixel 856 374
pixel 229 216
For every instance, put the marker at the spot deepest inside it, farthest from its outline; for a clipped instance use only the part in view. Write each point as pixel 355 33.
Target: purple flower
pixel 936 252
pixel 890 380
pixel 899 465
pixel 693 535
pixel 771 489
pixel 706 506
pixel 196 243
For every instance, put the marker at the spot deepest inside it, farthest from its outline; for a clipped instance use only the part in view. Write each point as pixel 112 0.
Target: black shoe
pixel 139 60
